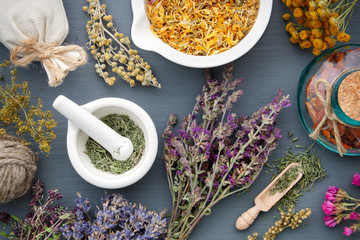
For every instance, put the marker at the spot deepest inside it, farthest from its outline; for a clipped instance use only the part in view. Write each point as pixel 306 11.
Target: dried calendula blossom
pixel 205 27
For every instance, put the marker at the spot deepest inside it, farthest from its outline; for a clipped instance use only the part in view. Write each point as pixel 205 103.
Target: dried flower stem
pixel 43 220
pixel 102 33
pixel 217 154
pixel 17 112
pixel 290 219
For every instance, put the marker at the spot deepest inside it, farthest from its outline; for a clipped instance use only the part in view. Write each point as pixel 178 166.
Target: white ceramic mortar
pixel 76 140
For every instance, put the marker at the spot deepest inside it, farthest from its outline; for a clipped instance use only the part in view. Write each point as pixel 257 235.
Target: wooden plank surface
pixel 272 64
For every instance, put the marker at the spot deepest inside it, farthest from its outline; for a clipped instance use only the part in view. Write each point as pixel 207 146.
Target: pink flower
pixel 333 190
pixel 347 231
pixel 353 216
pixel 356 180
pixel 330 196
pixel 328 207
pixel 330 221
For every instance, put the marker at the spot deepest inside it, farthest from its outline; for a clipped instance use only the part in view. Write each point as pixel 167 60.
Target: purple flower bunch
pixel 339 206
pixel 118 219
pixel 44 219
pixel 216 153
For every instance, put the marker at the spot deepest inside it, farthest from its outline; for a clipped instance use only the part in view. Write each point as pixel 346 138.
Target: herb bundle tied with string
pixel 216 153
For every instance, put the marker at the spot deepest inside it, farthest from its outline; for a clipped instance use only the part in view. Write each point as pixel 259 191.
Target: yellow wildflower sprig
pixel 122 59
pixel 16 112
pixel 290 219
pixel 319 23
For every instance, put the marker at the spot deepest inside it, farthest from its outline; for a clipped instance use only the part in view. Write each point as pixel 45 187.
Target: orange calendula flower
pixel 288 3
pixel 316 33
pixel 316 51
pixel 314 15
pixel 303 35
pixel 298 12
pixel 315 24
pixel 294 40
pixel 288 26
pixel 318 43
pixel 286 16
pixel 305 44
pixel 320 23
pixel 300 20
pixel 343 37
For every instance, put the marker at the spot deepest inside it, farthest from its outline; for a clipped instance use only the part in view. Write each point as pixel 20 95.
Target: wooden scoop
pixel 265 201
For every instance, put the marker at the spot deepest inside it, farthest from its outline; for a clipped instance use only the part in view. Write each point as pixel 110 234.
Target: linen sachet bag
pixel 33 30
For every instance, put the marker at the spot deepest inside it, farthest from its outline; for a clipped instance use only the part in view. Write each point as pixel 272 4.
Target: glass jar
pixel 328 99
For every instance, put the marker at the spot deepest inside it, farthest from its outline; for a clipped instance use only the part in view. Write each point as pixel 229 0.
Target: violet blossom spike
pixel 224 154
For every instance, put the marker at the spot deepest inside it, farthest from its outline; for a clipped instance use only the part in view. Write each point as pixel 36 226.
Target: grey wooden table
pixel 272 64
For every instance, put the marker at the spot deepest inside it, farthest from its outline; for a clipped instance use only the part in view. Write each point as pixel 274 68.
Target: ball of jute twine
pixel 17 168
pixel 57 60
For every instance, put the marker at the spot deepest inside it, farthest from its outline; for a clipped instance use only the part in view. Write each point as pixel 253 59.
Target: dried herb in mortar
pixel 102 159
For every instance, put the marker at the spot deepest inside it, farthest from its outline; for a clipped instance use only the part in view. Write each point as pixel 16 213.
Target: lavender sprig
pixel 43 220
pixel 216 153
pixel 118 219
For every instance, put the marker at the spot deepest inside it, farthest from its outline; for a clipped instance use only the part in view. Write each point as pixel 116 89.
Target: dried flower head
pixel 117 219
pixel 288 219
pixel 121 59
pixel 43 220
pixel 339 206
pixel 216 153
pixel 318 23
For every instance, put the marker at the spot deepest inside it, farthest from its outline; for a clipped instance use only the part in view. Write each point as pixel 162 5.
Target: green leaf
pixel 65 216
pixel 5 234
pixel 207 212
pixel 15 218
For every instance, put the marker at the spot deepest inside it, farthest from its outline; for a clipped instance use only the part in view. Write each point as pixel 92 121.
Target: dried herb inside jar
pixel 102 159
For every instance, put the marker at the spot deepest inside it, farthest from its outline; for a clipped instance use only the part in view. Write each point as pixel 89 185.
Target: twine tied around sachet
pixel 329 115
pixel 57 60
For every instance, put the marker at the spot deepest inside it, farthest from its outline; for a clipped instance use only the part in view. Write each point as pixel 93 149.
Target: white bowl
pixel 76 140
pixel 145 39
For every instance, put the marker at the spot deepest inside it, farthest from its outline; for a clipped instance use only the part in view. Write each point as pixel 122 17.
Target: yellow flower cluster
pixel 17 113
pixel 319 23
pixel 290 219
pixel 122 60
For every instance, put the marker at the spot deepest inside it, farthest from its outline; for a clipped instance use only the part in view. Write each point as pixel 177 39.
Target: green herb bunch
pixel 216 153
pixel 121 58
pixel 290 219
pixel 17 112
pixel 43 220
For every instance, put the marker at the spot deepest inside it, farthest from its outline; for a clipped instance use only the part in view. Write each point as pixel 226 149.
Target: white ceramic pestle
pixel 118 146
